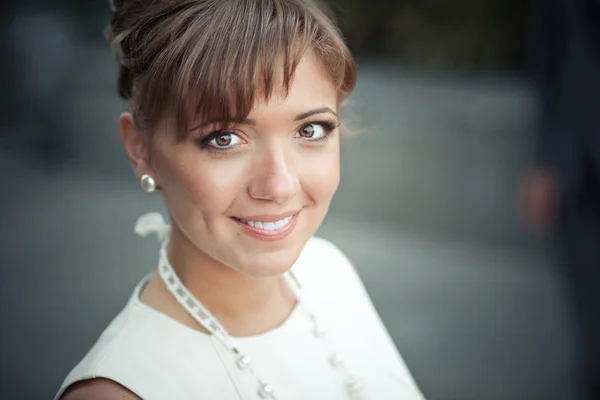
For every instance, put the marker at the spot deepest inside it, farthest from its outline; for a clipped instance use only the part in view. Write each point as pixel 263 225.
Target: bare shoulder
pixel 98 389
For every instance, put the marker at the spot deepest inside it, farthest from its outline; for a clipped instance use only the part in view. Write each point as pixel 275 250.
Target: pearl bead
pixel 354 386
pixel 319 331
pixel 335 360
pixel 148 184
pixel 243 362
pixel 265 391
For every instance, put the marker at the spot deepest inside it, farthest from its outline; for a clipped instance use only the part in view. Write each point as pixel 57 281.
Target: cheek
pixel 321 174
pixel 194 185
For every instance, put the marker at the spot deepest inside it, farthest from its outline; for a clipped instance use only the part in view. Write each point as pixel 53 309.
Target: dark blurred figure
pixel 562 193
pixel 38 64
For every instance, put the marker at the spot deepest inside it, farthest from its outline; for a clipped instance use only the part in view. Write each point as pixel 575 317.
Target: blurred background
pixel 474 300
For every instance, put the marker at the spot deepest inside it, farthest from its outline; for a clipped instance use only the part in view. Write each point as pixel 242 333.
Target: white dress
pixel 159 358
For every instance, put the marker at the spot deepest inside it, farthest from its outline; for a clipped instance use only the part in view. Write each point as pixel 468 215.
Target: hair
pixel 208 60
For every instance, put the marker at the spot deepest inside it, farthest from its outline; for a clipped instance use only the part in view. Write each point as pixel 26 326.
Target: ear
pixel 136 145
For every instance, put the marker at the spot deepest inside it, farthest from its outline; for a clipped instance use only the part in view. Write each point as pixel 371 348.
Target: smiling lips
pixel 269 227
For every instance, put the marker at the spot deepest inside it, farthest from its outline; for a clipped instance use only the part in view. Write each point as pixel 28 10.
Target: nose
pixel 275 177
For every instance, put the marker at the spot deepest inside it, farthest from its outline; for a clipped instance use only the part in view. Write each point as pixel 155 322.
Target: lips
pixel 269 227
pixel 269 217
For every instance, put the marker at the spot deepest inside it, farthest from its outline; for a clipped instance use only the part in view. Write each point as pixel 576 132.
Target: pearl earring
pixel 148 184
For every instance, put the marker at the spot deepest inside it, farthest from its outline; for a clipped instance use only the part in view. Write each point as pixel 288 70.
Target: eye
pixel 312 131
pixel 222 140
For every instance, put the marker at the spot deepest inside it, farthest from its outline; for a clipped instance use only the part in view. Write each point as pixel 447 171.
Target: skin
pixel 274 168
pixel 538 199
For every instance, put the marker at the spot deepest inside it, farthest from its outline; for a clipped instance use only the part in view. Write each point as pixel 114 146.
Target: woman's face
pixel 250 197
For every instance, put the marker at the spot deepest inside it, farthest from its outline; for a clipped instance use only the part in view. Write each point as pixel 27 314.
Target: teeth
pixel 268 226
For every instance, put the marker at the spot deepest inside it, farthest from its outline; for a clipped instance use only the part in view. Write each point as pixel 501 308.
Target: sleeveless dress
pixel 158 358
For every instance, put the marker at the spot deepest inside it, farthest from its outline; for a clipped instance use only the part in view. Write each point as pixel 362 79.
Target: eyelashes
pixel 328 126
pixel 322 130
pixel 223 141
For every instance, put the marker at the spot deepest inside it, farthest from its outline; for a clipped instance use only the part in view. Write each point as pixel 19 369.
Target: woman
pixel 234 120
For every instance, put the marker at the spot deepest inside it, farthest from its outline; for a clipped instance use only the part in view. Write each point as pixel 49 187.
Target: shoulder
pixel 98 389
pixel 147 353
pixel 323 251
pixel 88 380
pixel 324 269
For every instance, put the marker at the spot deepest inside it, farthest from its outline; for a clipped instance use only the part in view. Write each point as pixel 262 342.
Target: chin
pixel 269 264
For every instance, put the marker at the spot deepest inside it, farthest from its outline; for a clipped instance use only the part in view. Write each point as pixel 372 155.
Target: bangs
pixel 221 56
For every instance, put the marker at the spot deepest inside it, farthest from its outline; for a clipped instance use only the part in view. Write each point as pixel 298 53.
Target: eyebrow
pixel 299 117
pixel 310 113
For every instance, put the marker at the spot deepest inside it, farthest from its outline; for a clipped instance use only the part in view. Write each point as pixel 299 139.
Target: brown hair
pixel 209 59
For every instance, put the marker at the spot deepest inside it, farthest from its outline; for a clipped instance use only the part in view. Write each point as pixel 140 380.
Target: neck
pixel 244 305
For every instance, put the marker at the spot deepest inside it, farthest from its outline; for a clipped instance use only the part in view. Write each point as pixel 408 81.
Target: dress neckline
pixel 138 303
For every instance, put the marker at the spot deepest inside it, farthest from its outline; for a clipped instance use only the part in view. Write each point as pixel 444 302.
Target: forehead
pixel 310 87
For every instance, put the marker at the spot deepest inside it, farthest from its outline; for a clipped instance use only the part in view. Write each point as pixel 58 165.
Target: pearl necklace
pixel 152 223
